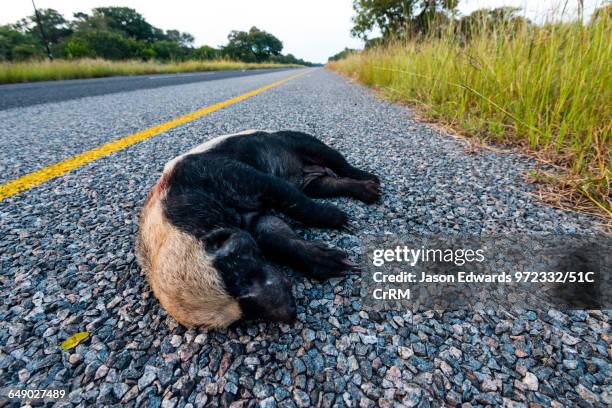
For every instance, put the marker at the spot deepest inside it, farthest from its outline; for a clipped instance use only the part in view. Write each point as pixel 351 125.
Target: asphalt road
pixel 67 265
pixel 34 93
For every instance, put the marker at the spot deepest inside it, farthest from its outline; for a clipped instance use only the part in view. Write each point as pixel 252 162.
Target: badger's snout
pixel 280 290
pixel 279 294
pixel 270 297
pixel 289 315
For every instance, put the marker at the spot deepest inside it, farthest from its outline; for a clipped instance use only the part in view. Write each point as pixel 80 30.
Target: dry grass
pixel 13 72
pixel 547 90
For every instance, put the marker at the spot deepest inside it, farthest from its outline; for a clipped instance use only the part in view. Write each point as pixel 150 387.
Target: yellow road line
pixel 38 177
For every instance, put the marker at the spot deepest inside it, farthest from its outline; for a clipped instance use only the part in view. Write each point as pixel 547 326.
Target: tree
pixel 502 15
pixel 342 54
pixel 182 39
pixel 17 45
pixel 290 59
pixel 254 45
pixel 168 50
pixel 128 35
pixel 373 42
pixel 55 26
pixel 264 44
pixel 129 22
pixel 78 48
pixel 481 20
pixel 239 46
pixel 397 18
pixel 206 52
pixel 103 44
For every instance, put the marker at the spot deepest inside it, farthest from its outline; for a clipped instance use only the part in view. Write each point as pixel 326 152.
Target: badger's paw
pixel 328 216
pixel 323 262
pixel 358 174
pixel 369 191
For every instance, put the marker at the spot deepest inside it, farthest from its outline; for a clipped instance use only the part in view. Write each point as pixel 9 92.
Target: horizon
pixel 291 22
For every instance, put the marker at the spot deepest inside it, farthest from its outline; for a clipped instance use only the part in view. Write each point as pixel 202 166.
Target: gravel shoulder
pixel 67 265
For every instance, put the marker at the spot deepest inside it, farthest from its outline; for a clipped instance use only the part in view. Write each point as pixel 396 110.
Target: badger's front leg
pixel 278 242
pixel 286 198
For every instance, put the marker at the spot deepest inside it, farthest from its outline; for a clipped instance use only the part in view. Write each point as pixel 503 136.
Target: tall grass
pixel 12 72
pixel 548 89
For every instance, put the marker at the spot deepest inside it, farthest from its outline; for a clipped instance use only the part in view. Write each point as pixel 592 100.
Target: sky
pixel 313 29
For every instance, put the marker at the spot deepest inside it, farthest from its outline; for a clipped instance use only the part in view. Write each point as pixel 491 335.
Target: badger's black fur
pixel 206 235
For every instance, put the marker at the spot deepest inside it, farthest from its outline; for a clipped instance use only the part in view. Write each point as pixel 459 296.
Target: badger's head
pixel 261 288
pixel 211 280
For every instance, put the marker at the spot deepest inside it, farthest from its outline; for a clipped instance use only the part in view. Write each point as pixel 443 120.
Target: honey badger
pixel 206 236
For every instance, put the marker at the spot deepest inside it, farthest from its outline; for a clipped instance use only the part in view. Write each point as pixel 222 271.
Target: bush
pixel 15 45
pixel 107 45
pixel 206 53
pixel 78 48
pixel 342 54
pixel 24 52
pixel 168 50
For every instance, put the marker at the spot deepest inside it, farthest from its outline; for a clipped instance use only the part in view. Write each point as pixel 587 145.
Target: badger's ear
pixel 219 242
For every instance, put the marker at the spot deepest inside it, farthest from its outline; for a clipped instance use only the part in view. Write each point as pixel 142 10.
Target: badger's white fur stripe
pixel 209 144
pixel 179 271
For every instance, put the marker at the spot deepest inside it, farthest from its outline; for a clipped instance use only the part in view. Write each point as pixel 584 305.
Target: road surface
pixel 67 263
pixel 34 93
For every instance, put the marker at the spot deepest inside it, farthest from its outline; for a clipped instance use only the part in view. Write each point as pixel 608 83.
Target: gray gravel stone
pixel 269 402
pixel 531 381
pixel 147 377
pixel 301 399
pixel 119 390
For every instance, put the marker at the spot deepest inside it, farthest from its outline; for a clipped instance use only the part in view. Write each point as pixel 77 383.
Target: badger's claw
pixel 323 262
pixel 329 216
pixel 349 229
pixel 369 192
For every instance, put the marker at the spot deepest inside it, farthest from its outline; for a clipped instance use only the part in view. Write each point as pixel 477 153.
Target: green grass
pixel 547 89
pixel 14 72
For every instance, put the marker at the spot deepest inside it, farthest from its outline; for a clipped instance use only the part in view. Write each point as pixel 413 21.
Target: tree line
pixel 412 18
pixel 121 33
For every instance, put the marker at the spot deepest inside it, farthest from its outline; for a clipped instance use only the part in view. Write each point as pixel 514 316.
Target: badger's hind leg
pixel 320 182
pixel 312 150
pixel 278 242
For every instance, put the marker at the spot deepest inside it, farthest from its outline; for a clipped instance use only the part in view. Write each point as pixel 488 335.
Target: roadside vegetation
pixel 94 68
pixel 119 41
pixel 497 76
